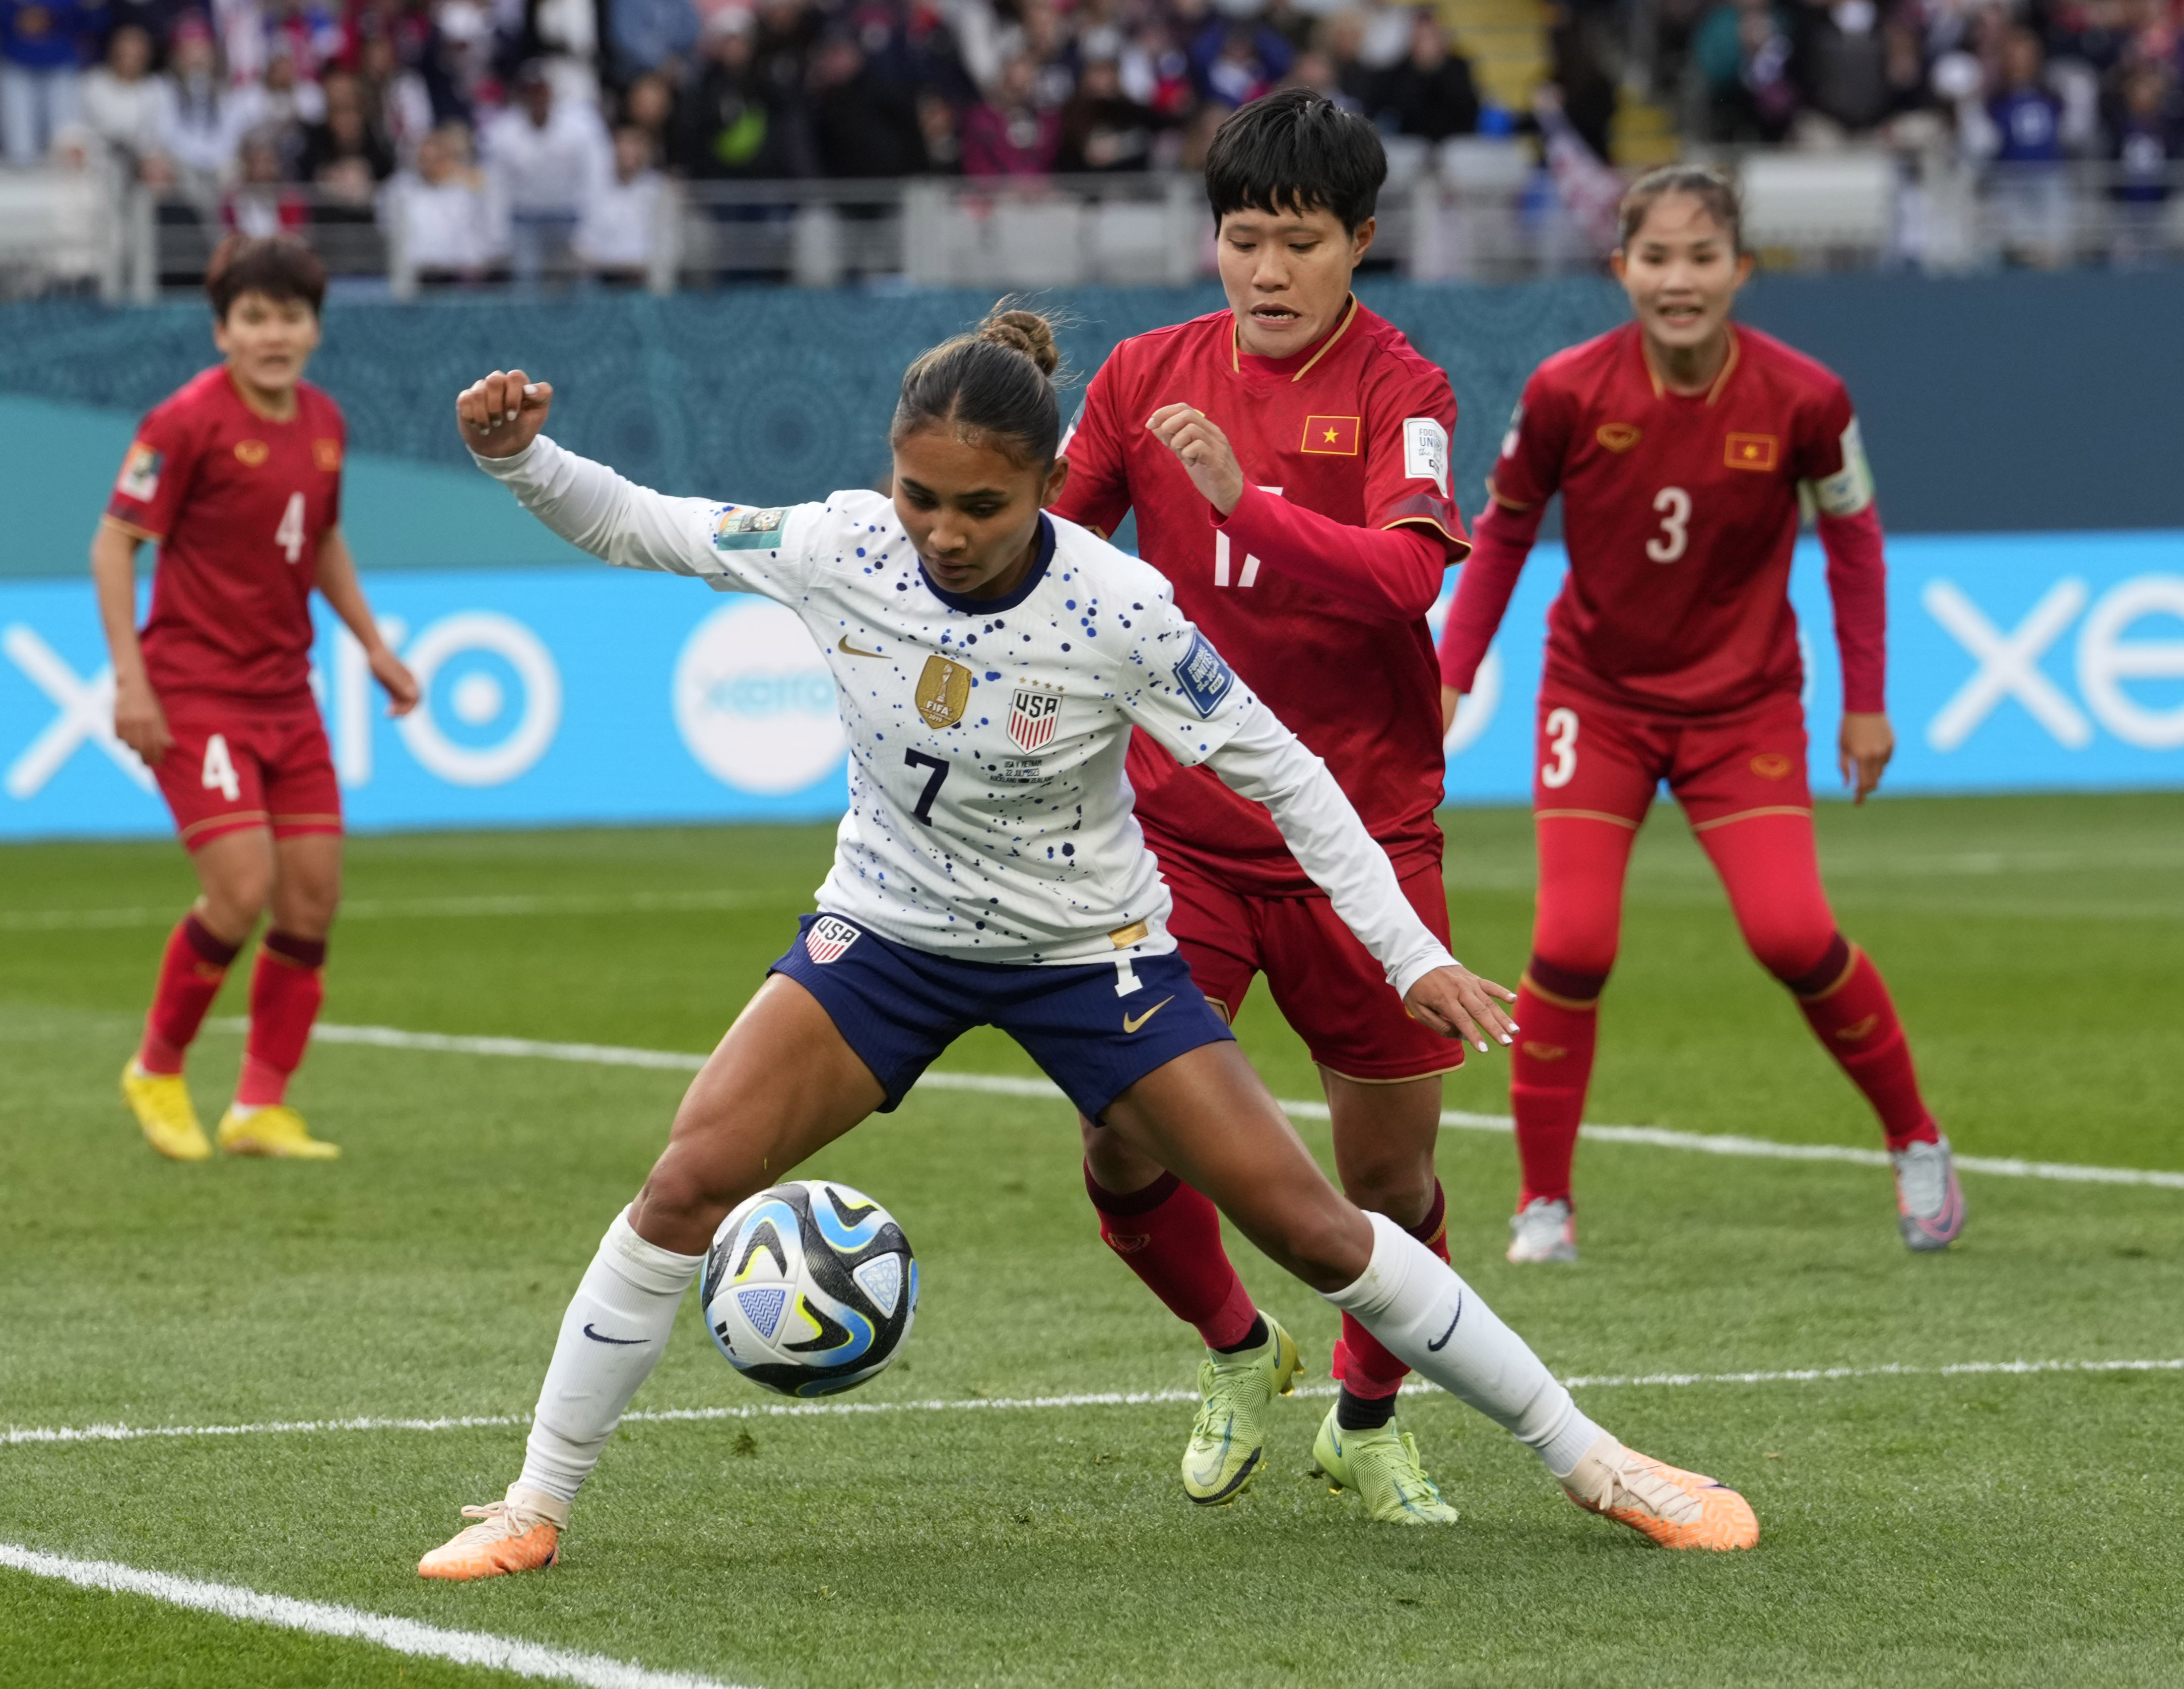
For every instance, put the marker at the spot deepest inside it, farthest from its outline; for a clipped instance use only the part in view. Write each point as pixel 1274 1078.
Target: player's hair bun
pixel 1025 331
pixel 994 385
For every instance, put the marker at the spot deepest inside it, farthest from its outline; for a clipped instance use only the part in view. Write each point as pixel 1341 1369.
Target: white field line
pixel 1001 1084
pixel 1110 1398
pixel 324 1619
pixel 405 909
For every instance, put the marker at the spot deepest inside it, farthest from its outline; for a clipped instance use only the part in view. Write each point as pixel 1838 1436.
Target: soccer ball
pixel 810 1288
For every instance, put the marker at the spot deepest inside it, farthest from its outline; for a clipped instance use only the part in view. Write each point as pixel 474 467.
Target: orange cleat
pixel 1677 1509
pixel 520 1533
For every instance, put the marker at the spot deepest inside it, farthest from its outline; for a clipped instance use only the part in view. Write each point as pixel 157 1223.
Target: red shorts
pixel 1604 762
pixel 1325 982
pixel 245 762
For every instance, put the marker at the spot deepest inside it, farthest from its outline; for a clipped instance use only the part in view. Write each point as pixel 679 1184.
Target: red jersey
pixel 1357 430
pixel 1679 514
pixel 237 506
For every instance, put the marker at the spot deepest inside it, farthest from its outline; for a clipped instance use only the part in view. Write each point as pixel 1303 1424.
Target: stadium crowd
pixel 506 129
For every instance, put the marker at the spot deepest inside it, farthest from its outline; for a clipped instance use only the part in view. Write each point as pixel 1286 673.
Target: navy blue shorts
pixel 898 1008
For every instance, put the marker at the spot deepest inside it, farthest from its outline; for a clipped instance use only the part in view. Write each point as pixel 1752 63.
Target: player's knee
pixel 1794 950
pixel 1569 977
pixel 1401 1189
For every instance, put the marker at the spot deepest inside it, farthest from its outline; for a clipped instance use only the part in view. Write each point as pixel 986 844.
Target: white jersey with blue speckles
pixel 989 814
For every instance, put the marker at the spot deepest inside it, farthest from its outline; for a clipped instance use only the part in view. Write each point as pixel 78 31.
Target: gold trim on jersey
pixel 133 531
pixel 1236 343
pixel 1587 815
pixel 1802 811
pixel 943 692
pixel 1728 368
pixel 1458 548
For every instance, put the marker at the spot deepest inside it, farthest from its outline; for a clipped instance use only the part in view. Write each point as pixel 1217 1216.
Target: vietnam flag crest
pixel 1331 435
pixel 1751 451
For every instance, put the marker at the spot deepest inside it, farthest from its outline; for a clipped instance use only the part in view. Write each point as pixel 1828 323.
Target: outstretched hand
pixel 502 414
pixel 1456 1003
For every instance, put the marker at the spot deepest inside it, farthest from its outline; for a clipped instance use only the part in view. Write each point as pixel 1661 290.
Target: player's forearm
pixel 338 585
pixel 596 510
pixel 1500 540
pixel 1858 582
pixel 1394 573
pixel 114 579
pixel 1267 763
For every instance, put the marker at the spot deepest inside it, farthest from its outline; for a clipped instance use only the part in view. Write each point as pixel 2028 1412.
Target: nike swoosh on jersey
pixel 1441 1342
pixel 845 647
pixel 1132 1025
pixel 623 1342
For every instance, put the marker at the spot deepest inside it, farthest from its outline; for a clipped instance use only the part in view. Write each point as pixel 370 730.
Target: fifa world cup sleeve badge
pixel 1203 676
pixel 737 529
pixel 944 693
pixel 140 474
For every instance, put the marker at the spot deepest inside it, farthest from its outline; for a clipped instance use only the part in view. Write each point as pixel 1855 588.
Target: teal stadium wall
pixel 2002 404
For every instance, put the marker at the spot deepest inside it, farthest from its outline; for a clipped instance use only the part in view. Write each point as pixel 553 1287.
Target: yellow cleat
pixel 520 1534
pixel 1382 1466
pixel 275 1130
pixel 161 1103
pixel 1676 1509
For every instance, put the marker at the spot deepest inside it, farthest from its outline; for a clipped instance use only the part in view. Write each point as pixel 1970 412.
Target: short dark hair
pixel 276 266
pixel 1297 151
pixel 997 382
pixel 1702 182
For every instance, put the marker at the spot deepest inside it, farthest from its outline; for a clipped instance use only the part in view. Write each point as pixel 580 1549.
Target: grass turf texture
pixel 1974 1528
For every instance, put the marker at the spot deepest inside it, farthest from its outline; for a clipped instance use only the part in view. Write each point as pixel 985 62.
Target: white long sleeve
pixel 591 506
pixel 1264 761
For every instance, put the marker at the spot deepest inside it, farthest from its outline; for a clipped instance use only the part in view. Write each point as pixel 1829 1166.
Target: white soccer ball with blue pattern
pixel 810 1288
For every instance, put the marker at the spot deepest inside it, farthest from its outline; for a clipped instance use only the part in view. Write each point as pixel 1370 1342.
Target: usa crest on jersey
pixel 828 938
pixel 1033 711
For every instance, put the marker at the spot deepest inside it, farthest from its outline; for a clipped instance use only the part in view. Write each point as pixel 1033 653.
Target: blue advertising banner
pixel 582 695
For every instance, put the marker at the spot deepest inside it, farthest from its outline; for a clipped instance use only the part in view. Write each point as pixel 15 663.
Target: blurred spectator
pixel 396 102
pixel 2023 135
pixel 647 34
pixel 1008 134
pixel 1846 71
pixel 2027 115
pixel 1238 61
pixel 1585 88
pixel 864 127
pixel 284 106
pixel 1430 93
pixel 202 120
pixel 41 77
pixel 2146 143
pixel 121 101
pixel 440 214
pixel 1102 127
pixel 560 39
pixel 937 126
pixel 1340 40
pixel 1743 54
pixel 648 103
pixel 263 201
pixel 620 223
pixel 734 128
pixel 1156 70
pixel 344 150
pixel 545 157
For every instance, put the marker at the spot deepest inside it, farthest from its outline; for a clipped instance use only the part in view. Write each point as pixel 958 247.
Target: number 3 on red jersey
pixel 1562 742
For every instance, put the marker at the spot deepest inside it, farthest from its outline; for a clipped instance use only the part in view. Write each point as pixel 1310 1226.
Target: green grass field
pixel 1920 1527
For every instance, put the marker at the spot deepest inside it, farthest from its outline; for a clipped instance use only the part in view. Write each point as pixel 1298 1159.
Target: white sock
pixel 611 1338
pixel 1413 1301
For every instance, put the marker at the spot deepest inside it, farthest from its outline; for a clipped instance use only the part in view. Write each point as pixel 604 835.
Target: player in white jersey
pixel 990 663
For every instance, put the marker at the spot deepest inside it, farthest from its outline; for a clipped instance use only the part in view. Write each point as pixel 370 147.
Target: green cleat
pixel 1382 1466
pixel 1228 1440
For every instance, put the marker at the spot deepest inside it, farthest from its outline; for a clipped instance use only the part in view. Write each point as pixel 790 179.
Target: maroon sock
pixel 1362 1363
pixel 286 990
pixel 190 975
pixel 1558 1022
pixel 1847 1005
pixel 1170 1236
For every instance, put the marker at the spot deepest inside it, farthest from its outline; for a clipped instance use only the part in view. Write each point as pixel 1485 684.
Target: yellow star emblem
pixel 1330 437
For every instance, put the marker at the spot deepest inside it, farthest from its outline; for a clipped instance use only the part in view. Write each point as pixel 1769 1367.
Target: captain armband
pixel 1849 490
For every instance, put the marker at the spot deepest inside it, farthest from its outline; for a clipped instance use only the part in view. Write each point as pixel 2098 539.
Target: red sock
pixel 1362 1364
pixel 1170 1236
pixel 286 990
pixel 190 975
pixel 1849 1007
pixel 1558 1019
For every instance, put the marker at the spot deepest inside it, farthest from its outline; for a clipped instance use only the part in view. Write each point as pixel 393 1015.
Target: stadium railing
pixel 1471 210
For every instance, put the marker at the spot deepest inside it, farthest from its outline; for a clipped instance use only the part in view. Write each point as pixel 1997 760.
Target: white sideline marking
pixel 405 908
pixel 324 1619
pixel 1110 1398
pixel 1002 1084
